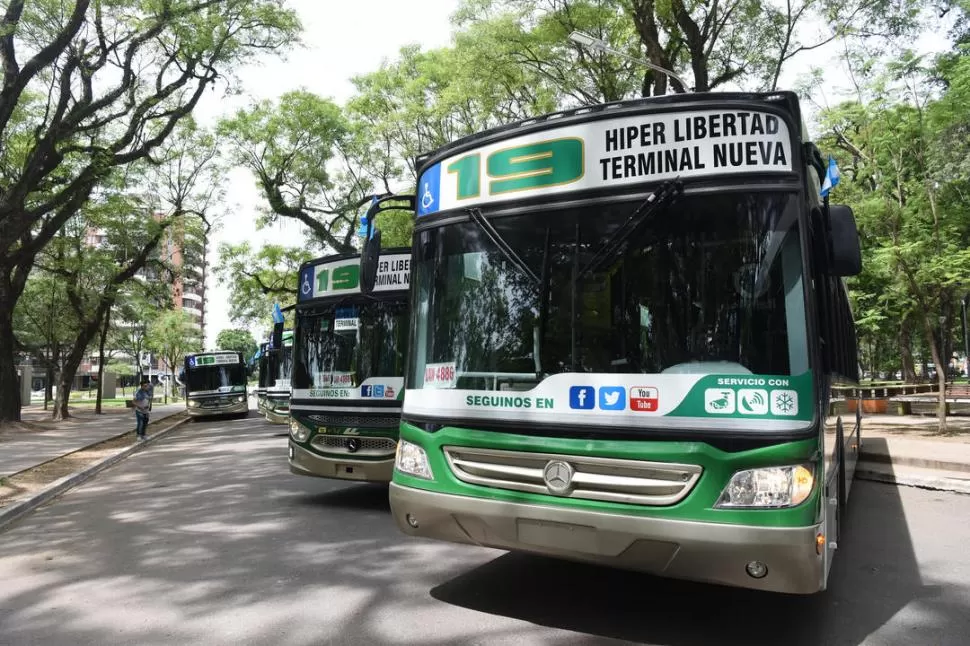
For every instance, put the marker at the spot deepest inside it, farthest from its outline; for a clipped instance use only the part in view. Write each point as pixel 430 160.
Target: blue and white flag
pixel 364 220
pixel 277 313
pixel 832 176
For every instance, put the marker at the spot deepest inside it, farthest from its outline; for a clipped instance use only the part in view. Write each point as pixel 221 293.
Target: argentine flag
pixel 277 313
pixel 362 229
pixel 832 176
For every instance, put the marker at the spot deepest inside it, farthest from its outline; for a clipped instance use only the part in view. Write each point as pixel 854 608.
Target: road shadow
pixel 875 575
pixel 365 497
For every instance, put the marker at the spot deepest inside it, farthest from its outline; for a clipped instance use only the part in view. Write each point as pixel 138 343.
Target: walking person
pixel 143 403
pixel 151 394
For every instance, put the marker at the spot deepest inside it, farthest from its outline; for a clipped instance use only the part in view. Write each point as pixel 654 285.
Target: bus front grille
pixel 582 477
pixel 357 421
pixel 355 445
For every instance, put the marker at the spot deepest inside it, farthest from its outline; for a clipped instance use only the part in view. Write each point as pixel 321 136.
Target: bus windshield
pixel 263 369
pixel 708 284
pixel 215 378
pixel 286 363
pixel 343 345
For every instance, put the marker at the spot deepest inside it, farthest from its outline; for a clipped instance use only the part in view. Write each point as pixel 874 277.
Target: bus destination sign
pixel 205 360
pixel 610 152
pixel 341 277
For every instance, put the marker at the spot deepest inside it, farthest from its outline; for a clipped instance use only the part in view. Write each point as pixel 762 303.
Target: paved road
pixel 205 538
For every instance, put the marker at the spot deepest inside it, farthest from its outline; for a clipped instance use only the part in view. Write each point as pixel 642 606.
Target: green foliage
pixel 89 89
pixel 173 335
pixel 258 279
pixel 120 368
pixel 238 340
pixel 301 151
pixel 903 153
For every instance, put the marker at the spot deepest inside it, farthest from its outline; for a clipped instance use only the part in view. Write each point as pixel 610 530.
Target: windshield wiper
pixel 664 196
pixel 479 218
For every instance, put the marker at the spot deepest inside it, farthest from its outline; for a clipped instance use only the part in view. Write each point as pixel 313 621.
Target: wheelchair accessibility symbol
pixel 427 199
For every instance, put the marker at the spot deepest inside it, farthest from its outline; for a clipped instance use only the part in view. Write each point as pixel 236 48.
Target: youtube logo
pixel 644 399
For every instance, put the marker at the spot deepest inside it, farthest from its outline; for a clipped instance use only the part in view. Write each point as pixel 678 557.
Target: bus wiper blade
pixel 664 196
pixel 479 218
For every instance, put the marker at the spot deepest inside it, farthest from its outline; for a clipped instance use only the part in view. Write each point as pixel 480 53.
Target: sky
pixel 344 39
pixel 340 40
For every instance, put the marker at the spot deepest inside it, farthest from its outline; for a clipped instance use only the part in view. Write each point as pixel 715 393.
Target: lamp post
pixel 590 42
pixel 966 342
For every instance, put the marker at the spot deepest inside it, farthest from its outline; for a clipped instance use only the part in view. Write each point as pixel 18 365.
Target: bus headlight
pixel 768 487
pixel 299 432
pixel 193 403
pixel 240 398
pixel 412 460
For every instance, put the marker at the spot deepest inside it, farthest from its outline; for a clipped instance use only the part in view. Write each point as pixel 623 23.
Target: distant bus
pixel 262 370
pixel 215 384
pixel 277 393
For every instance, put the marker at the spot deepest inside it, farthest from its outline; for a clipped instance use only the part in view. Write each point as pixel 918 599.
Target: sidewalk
pixel 22 449
pixel 906 450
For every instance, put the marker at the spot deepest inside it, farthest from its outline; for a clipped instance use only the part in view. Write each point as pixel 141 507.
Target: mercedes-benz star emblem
pixel 558 476
pixel 353 444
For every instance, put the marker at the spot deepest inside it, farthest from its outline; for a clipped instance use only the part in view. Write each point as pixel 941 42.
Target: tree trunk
pixel 104 336
pixel 73 361
pixel 9 385
pixel 49 381
pixel 65 381
pixel 940 377
pixel 906 354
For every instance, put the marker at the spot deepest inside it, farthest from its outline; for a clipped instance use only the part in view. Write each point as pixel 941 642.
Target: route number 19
pixel 346 277
pixel 535 165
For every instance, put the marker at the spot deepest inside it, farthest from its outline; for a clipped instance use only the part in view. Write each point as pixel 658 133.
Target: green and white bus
pixel 350 344
pixel 215 384
pixel 626 322
pixel 277 399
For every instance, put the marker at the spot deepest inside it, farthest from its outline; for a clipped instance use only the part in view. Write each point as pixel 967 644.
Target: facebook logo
pixel 582 397
pixel 612 398
pixel 365 391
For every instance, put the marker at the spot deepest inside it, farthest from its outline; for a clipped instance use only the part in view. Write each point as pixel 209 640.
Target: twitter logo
pixel 612 398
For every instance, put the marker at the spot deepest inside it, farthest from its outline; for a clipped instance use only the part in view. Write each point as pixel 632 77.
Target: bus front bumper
pixel 709 552
pixel 305 463
pixel 277 416
pixel 236 408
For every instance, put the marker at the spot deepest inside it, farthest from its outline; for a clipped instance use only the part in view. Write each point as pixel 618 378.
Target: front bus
pixel 626 323
pixel 277 398
pixel 215 384
pixel 348 369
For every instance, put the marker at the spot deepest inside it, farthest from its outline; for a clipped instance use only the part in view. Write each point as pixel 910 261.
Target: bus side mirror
pixel 844 242
pixel 368 261
pixel 277 341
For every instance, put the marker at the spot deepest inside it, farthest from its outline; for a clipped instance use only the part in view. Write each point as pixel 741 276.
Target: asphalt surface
pixel 206 538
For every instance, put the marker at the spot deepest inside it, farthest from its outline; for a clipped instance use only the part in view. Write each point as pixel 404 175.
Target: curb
pixel 20 509
pixel 922 463
pixel 909 480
